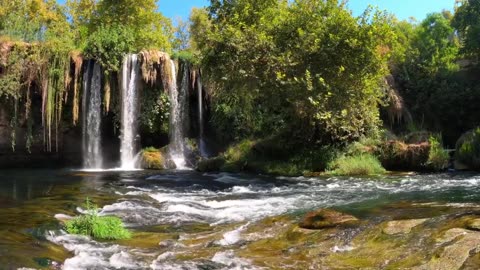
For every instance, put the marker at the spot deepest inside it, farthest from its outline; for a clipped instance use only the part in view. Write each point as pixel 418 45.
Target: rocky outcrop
pixel 456 254
pixel 396 227
pixel 327 218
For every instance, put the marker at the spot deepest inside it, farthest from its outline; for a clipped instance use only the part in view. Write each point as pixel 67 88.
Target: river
pixel 190 220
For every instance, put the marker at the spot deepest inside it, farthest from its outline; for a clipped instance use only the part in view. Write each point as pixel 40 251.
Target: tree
pixel 467 22
pixel 151 30
pixel 306 68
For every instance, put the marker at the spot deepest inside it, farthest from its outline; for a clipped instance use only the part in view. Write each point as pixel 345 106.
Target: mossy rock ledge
pixel 327 218
pixel 153 159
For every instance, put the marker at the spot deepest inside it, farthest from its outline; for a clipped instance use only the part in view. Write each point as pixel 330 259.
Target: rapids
pixel 189 220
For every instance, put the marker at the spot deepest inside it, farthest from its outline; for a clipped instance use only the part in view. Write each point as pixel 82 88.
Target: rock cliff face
pixel 69 146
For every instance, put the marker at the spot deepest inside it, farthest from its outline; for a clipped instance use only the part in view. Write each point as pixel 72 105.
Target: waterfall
pixel 177 102
pixel 201 141
pixel 92 116
pixel 130 82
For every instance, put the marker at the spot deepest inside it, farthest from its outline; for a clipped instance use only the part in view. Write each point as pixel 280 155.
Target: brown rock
pixel 326 218
pixel 454 255
pixel 402 226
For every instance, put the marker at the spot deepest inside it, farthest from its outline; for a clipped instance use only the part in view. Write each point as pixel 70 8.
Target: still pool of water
pixel 185 219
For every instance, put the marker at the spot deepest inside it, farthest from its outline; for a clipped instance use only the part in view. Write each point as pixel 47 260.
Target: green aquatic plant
pixel 98 227
pixel 438 157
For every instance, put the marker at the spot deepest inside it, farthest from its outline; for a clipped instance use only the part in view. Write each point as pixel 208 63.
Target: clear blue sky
pixel 403 9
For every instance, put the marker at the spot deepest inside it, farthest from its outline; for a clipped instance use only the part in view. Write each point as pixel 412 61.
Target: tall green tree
pixel 467 21
pixel 307 68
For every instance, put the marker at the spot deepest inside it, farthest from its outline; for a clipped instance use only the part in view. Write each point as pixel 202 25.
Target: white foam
pixel 337 249
pixel 123 260
pixel 232 237
pixel 228 259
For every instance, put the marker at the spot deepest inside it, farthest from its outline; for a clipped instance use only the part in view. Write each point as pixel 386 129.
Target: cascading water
pixel 92 116
pixel 177 147
pixel 130 82
pixel 201 141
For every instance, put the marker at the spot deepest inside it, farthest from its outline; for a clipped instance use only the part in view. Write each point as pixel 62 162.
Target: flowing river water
pixel 190 220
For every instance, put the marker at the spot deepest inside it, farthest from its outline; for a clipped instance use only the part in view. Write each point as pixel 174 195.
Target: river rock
pixel 402 226
pixel 326 218
pixel 454 255
pixel 474 225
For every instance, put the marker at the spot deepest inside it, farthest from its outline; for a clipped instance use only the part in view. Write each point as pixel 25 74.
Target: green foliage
pixel 467 22
pixel 149 28
pixel 271 156
pixel 98 227
pixel 468 149
pixel 280 67
pixel 108 45
pixel 155 111
pixel 362 164
pixel 437 157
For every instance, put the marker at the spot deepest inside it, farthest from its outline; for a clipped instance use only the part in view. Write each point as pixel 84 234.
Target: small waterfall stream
pixel 201 140
pixel 177 101
pixel 92 116
pixel 130 82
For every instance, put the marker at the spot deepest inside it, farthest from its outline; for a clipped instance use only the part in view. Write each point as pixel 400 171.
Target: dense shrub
pixel 437 157
pixel 468 149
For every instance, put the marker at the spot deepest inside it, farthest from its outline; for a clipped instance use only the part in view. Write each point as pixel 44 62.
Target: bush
pixel 363 164
pixel 98 227
pixel 437 157
pixel 468 149
pixel 271 156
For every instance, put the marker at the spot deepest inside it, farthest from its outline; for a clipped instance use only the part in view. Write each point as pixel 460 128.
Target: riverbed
pixel 191 220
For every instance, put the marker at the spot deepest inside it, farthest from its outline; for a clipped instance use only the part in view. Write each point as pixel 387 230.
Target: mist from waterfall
pixel 92 116
pixel 177 104
pixel 129 124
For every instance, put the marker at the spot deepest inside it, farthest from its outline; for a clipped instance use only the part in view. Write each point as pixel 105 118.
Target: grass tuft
pixel 98 227
pixel 362 164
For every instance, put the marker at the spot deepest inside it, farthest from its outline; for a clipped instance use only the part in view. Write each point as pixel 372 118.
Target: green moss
pixel 362 164
pixel 153 159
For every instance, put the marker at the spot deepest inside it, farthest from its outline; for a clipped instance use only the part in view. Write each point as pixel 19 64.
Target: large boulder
pixel 153 159
pixel 327 218
pixel 467 153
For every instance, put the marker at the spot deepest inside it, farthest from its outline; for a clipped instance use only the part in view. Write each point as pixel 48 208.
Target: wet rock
pixel 453 256
pixel 326 218
pixel 451 235
pixel 474 225
pixel 211 164
pixel 402 226
pixel 153 159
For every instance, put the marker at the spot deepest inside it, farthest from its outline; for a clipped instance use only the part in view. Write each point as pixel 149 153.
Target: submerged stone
pixel 402 226
pixel 326 218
